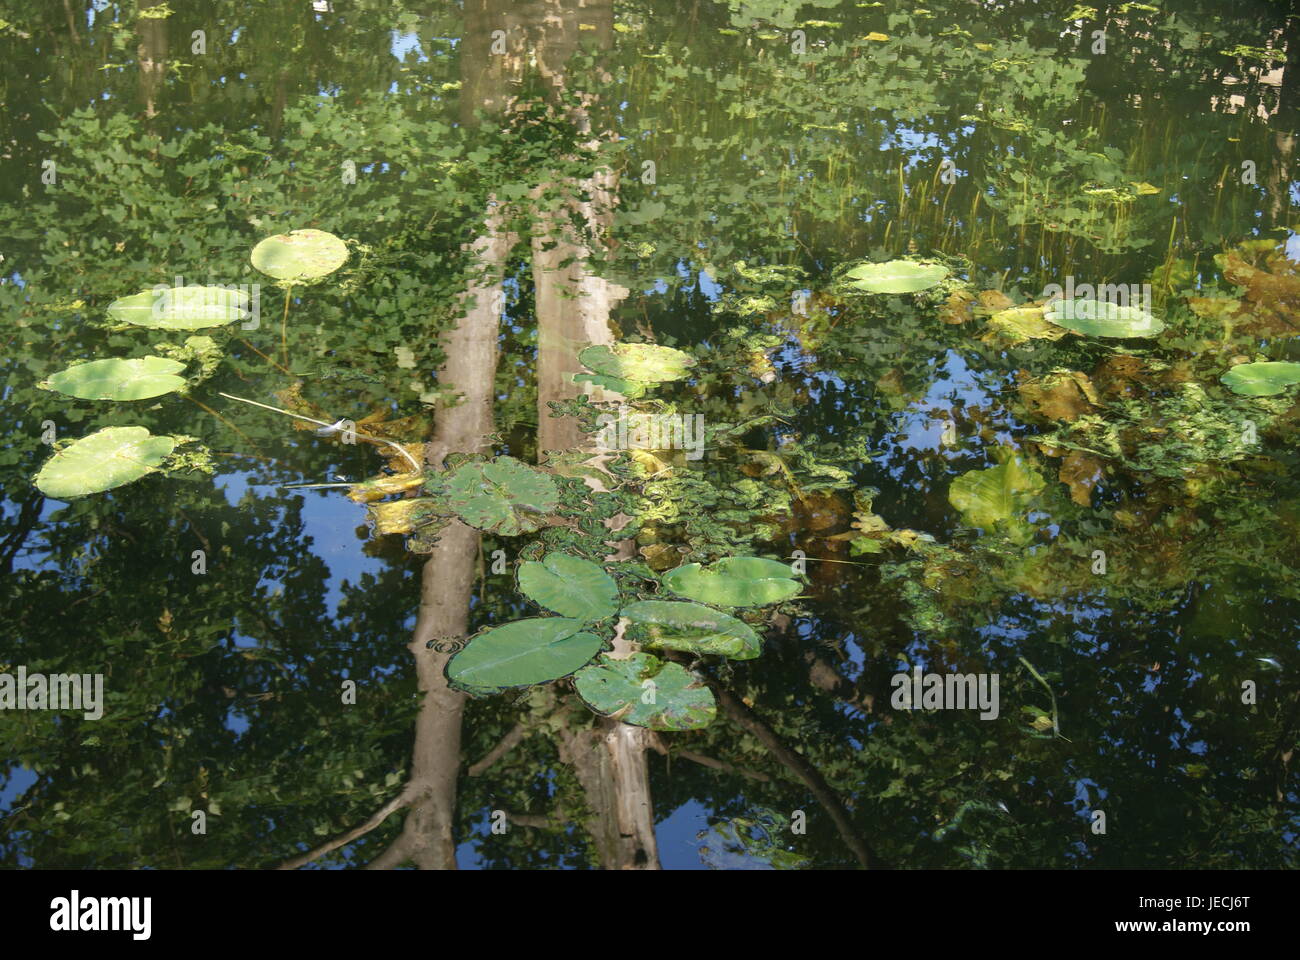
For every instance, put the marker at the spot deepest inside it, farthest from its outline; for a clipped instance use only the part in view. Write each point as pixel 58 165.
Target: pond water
pixel 1041 581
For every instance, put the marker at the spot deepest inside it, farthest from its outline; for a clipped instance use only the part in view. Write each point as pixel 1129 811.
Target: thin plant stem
pixel 284 326
pixel 269 360
pixel 204 406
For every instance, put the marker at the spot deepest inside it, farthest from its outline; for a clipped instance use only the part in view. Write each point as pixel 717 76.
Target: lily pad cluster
pixel 641 689
pixel 116 456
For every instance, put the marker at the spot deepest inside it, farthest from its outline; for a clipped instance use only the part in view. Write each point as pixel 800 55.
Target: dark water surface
pixel 1124 567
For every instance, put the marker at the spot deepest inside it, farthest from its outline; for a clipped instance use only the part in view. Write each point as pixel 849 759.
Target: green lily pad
pixel 181 308
pixel 733 582
pixel 1266 378
pixel 896 276
pixel 997 496
pixel 642 362
pixel 1097 318
pixel 300 255
pixel 571 586
pixel 501 496
pixel 621 689
pixel 631 389
pixel 106 459
pixel 521 654
pixel 676 625
pixel 118 379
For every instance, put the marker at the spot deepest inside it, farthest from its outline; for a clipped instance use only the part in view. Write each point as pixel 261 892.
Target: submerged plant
pixel 999 497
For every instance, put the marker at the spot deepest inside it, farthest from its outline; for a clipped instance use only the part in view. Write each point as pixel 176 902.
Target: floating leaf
pixel 957 308
pixel 896 276
pixel 385 486
pixel 501 496
pixel 660 556
pixel 993 301
pixel 733 582
pixel 1080 472
pixel 677 625
pixel 643 362
pixel 998 495
pixel 300 255
pixel 118 379
pixel 1097 318
pixel 181 308
pixel 631 389
pixel 1263 379
pixel 520 654
pixel 1018 324
pixel 619 688
pixel 1060 395
pixel 106 459
pixel 570 586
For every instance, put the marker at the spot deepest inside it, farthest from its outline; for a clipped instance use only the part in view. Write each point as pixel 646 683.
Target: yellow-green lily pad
pixel 896 276
pixel 641 362
pixel 1097 318
pixel 693 627
pixel 733 582
pixel 181 308
pixel 118 379
pixel 106 459
pixel 570 586
pixel 300 255
pixel 1266 378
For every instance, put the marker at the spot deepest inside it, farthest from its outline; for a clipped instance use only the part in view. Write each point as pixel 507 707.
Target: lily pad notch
pixel 116 378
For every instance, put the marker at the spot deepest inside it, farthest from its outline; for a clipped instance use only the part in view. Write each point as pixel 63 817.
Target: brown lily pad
pixel 1060 395
pixel 1081 472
